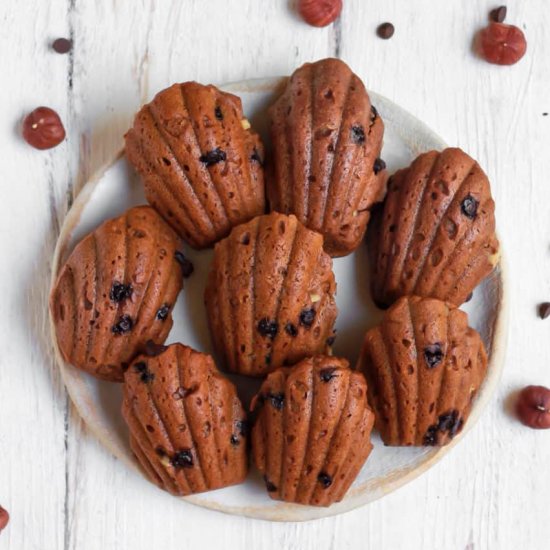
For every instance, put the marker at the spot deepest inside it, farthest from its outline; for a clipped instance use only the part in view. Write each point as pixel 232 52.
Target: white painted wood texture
pixel 66 492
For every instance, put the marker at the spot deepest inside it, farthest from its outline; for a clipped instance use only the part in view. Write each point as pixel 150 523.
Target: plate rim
pixel 357 496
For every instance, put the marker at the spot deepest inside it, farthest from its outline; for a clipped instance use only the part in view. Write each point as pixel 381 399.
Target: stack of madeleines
pixel 270 295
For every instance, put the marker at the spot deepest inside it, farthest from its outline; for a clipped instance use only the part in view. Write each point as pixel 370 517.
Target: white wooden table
pixel 62 489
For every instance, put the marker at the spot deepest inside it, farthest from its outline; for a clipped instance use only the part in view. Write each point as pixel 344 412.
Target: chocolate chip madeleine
pixel 327 139
pixel 424 365
pixel 435 234
pixel 200 161
pixel 187 425
pixel 270 295
pixel 312 432
pixel 116 291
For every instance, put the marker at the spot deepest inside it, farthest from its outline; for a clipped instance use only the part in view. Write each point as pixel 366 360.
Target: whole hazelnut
pixel 533 407
pixel 43 129
pixel 4 518
pixel 500 44
pixel 319 13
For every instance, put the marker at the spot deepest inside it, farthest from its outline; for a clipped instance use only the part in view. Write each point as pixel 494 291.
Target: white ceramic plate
pixel 116 188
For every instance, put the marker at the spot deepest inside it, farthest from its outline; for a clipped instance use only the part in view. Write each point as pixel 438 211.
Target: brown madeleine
pixel 187 425
pixel 327 139
pixel 270 295
pixel 311 436
pixel 200 161
pixel 424 366
pixel 435 234
pixel 116 291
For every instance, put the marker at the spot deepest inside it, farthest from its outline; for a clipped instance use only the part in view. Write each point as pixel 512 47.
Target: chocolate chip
pixel 277 400
pixel 186 265
pixel 218 113
pixel 234 440
pixel 145 374
pixel 327 374
pixel 62 45
pixel 330 340
pixel 182 459
pixel 242 427
pixel 324 479
pixel 123 325
pixel 162 313
pixel 446 421
pixel 379 165
pixel 213 157
pixel 544 310
pixel 358 134
pixel 268 328
pixel 433 355
pixel 469 206
pixel 430 438
pixel 269 486
pixel 152 349
pixel 385 30
pixel 291 329
pixel 307 316
pixel 255 156
pixel 120 292
pixel 498 14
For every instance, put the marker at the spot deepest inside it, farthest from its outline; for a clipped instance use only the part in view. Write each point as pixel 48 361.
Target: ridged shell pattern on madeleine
pixel 200 161
pixel 270 295
pixel 435 235
pixel 312 431
pixel 424 365
pixel 116 291
pixel 326 147
pixel 187 425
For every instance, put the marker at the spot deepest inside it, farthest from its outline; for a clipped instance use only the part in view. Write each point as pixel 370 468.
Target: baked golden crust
pixel 270 295
pixel 187 425
pixel 312 432
pixel 435 234
pixel 424 365
pixel 200 161
pixel 327 140
pixel 116 291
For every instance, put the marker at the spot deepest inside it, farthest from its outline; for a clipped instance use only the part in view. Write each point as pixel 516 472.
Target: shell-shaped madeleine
pixel 326 147
pixel 270 295
pixel 424 365
pixel 200 161
pixel 187 425
pixel 312 431
pixel 435 234
pixel 116 291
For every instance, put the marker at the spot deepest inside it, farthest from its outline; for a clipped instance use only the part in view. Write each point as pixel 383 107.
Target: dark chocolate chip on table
pixel 62 45
pixel 433 355
pixel 182 459
pixel 268 328
pixel 469 206
pixel 186 265
pixel 498 14
pixel 123 325
pixel 120 292
pixel 385 30
pixel 324 479
pixel 379 165
pixel 544 310
pixel 213 157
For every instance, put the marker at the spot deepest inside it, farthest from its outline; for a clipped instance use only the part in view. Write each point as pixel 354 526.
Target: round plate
pixel 117 188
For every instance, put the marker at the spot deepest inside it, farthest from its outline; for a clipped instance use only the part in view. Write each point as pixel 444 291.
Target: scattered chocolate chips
pixel 327 374
pixel 213 157
pixel 162 313
pixel 430 438
pixel 123 325
pixel 358 134
pixel 533 407
pixel 498 14
pixel 277 400
pixel 234 440
pixel 291 330
pixel 379 165
pixel 62 45
pixel 385 30
pixel 469 206
pixel 544 310
pixel 433 355
pixel 307 316
pixel 4 518
pixel 218 113
pixel 255 156
pixel 324 479
pixel 145 374
pixel 182 459
pixel 153 349
pixel 120 292
pixel 268 328
pixel 269 485
pixel 43 129
pixel 186 265
pixel 447 422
